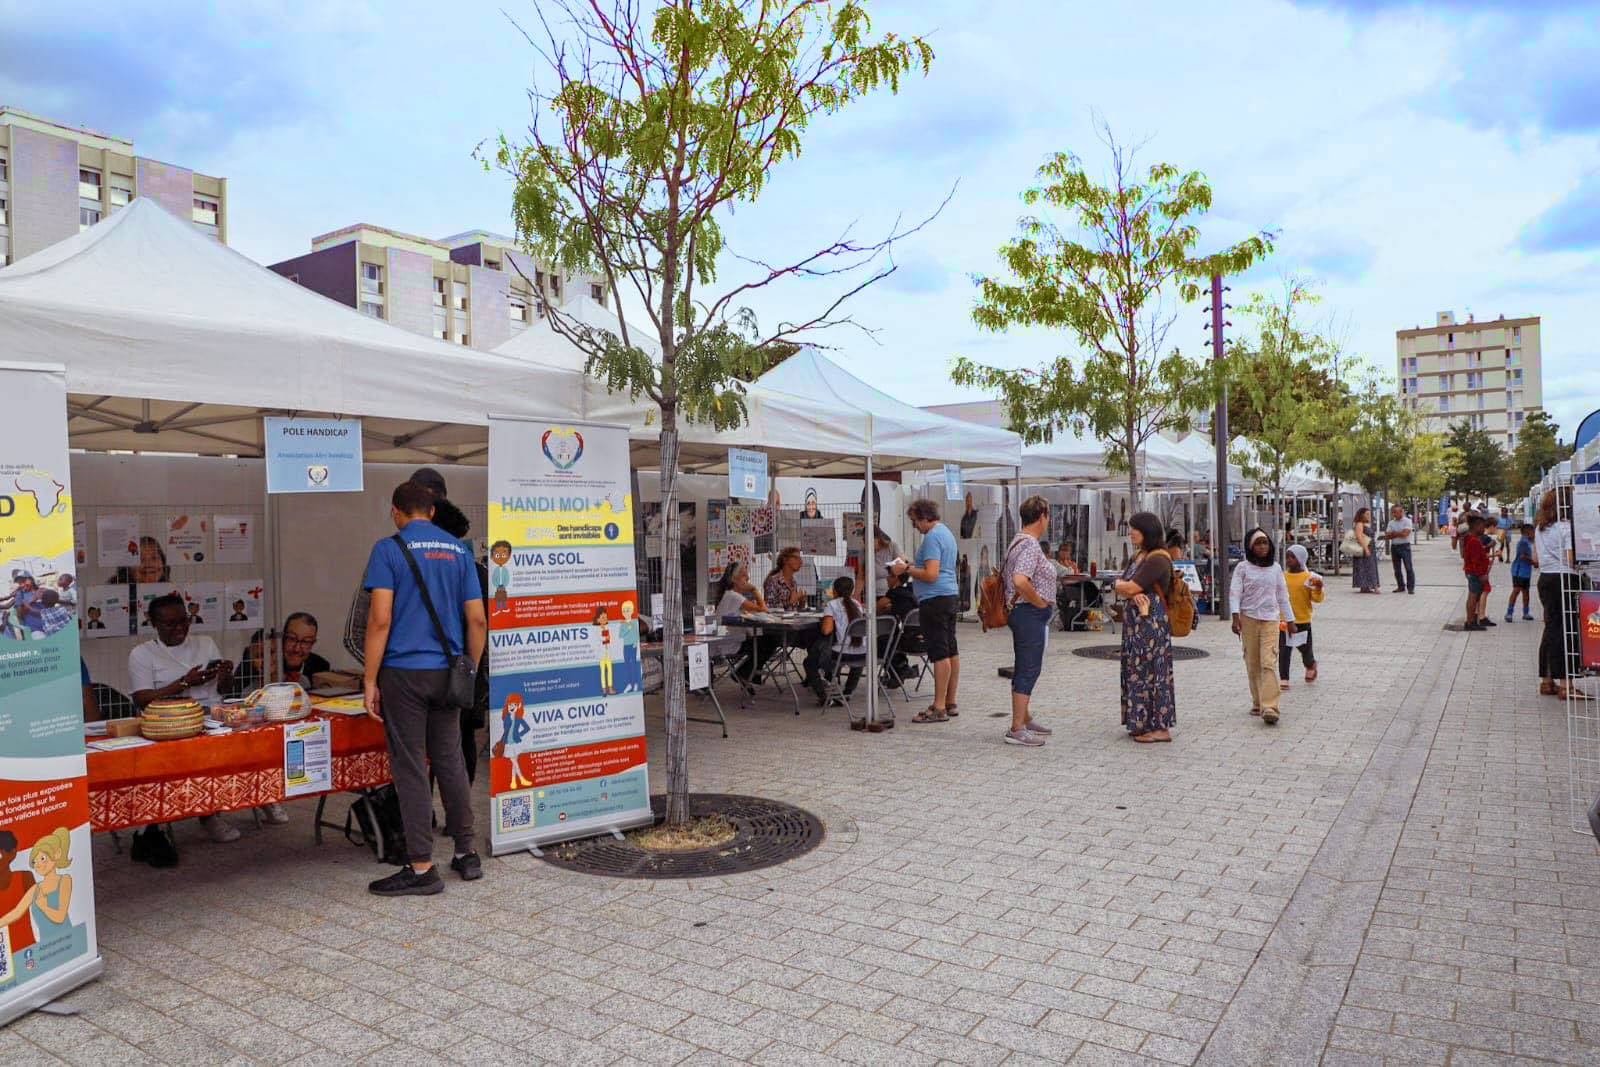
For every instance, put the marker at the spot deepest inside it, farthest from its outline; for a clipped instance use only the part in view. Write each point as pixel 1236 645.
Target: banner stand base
pixel 536 852
pixel 41 996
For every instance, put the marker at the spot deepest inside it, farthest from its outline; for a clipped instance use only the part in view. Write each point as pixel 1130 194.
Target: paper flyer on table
pixel 307 758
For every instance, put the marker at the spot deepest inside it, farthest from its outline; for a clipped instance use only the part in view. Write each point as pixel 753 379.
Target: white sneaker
pixel 219 829
pixel 274 814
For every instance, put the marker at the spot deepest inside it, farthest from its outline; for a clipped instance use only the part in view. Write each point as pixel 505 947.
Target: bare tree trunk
pixel 674 686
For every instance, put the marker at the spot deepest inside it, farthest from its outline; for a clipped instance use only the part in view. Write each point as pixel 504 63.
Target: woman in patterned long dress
pixel 1364 568
pixel 1149 706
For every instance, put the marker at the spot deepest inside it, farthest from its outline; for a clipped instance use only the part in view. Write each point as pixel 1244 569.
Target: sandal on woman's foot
pixel 930 715
pixel 950 710
pixel 1547 689
pixel 1311 674
pixel 1255 712
pixel 1150 737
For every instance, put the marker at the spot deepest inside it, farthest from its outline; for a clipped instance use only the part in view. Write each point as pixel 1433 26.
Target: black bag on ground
pixel 374 821
pixel 461 687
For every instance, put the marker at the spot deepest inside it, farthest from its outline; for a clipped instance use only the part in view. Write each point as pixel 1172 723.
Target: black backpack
pixel 374 821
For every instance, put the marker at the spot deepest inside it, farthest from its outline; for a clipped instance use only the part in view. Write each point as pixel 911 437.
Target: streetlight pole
pixel 1219 426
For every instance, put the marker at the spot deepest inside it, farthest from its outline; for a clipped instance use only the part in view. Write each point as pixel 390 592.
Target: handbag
pixel 461 684
pixel 1351 545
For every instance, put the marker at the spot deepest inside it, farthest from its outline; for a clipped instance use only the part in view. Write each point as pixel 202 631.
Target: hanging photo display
pixel 716 538
pixel 565 681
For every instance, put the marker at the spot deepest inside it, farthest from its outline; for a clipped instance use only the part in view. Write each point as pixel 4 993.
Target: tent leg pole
pixel 869 569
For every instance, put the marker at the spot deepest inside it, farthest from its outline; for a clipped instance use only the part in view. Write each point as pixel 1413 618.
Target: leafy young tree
pixel 1375 449
pixel 1482 472
pixel 1103 273
pixel 1428 470
pixel 652 126
pixel 1538 449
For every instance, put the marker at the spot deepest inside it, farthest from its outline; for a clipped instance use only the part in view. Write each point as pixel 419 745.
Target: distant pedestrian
pixel 1364 568
pixel 1522 567
pixel 1259 600
pixel 933 579
pixel 426 608
pixel 1399 533
pixel 1558 588
pixel 1305 589
pixel 1453 528
pixel 1475 565
pixel 1030 582
pixel 1149 702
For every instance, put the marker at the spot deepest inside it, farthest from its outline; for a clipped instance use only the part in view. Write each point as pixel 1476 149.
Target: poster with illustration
pixel 1586 521
pixel 764 528
pixel 105 611
pixel 716 538
pixel 241 604
pixel 47 942
pixel 203 601
pixel 818 537
pixel 738 518
pixel 187 536
pixel 117 540
pixel 235 536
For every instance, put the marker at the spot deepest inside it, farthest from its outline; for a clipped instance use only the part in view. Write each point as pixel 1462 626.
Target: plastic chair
pixel 895 631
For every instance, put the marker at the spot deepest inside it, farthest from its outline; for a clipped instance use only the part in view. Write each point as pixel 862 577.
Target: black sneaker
pixel 151 845
pixel 469 867
pixel 1472 627
pixel 406 882
pixel 1483 623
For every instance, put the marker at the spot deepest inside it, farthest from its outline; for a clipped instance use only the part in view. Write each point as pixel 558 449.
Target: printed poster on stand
pixel 47 941
pixel 565 685
pixel 1586 521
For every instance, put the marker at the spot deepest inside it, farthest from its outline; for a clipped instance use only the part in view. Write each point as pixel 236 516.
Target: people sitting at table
pixel 735 595
pixel 782 592
pixel 172 665
pixel 884 552
pixel 1063 561
pixel 837 615
pixel 298 664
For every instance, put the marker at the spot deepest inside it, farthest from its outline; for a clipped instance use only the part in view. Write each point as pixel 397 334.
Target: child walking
pixel 1522 565
pixel 1305 589
pixel 1475 565
pixel 1259 600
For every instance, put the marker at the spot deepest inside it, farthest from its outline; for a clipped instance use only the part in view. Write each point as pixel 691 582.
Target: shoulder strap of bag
pixel 427 601
pixel 1173 570
pixel 1005 565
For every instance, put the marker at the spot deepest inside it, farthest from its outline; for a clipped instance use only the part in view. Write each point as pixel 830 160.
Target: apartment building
pixel 1484 373
pixel 56 180
pixel 473 289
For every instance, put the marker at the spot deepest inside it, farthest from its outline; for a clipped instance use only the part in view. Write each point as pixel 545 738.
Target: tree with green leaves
pixel 1104 261
pixel 1272 378
pixel 1538 449
pixel 649 128
pixel 1482 471
pixel 1375 447
pixel 1428 470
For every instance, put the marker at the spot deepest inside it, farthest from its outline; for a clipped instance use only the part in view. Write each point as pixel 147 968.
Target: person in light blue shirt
pixel 933 580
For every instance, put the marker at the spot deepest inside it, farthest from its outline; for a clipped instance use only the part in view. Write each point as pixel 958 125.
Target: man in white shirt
pixel 1398 534
pixel 173 665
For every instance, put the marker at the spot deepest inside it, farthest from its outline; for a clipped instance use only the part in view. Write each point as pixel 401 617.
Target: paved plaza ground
pixel 1388 876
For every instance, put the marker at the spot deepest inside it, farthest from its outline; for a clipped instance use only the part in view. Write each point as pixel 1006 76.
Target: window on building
pixel 1472 380
pixel 538 283
pixel 1516 334
pixel 206 210
pixel 1480 408
pixel 1511 442
pixel 88 184
pixel 1516 420
pixel 3 221
pixel 1450 339
pixel 1516 376
pixel 466 342
pixel 438 292
pixel 87 216
pixel 555 286
pixel 1444 405
pixel 121 191
pixel 372 309
pixel 3 171
pixel 459 292
pixel 518 309
pixel 597 293
pixel 371 279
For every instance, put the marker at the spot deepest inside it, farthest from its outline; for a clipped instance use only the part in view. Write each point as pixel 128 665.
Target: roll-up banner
pixel 47 934
pixel 566 693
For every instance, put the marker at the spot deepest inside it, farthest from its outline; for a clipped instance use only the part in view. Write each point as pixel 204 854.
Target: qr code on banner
pixel 516 813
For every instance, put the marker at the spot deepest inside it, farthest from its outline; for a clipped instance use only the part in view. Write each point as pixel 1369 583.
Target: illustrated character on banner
pixel 50 896
pixel 238 614
pixel 14 889
pixel 603 651
pixel 500 574
pixel 628 634
pixel 513 731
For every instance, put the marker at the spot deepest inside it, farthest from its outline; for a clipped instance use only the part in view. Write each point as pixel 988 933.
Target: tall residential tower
pixel 1484 373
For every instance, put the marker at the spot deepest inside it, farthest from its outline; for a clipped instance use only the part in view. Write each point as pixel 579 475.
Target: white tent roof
pixel 175 343
pixel 1074 457
pixel 900 431
pixel 1203 460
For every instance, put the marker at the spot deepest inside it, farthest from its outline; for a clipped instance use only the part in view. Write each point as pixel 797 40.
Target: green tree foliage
pixel 1282 382
pixel 1538 449
pixel 1482 471
pixel 1101 260
pixel 649 127
pixel 1374 444
pixel 1428 470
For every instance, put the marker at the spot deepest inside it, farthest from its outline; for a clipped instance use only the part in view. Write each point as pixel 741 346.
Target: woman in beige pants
pixel 1259 600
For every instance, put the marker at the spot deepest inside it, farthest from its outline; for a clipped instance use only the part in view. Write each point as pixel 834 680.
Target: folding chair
pixel 886 669
pixel 854 663
pixel 913 621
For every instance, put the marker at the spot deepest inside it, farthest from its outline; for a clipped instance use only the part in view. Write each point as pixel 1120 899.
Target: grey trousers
pixel 421 731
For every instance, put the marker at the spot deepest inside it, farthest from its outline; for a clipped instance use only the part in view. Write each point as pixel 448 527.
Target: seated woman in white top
pixel 736 593
pixel 842 610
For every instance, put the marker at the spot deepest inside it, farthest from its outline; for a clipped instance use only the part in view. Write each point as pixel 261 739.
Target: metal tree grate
pixel 769 832
pixel 1114 652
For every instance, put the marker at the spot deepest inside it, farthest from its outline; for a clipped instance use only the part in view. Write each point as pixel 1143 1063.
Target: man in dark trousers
pixel 407 676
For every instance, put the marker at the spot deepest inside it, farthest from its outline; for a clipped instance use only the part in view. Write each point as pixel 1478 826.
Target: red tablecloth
pixel 225 772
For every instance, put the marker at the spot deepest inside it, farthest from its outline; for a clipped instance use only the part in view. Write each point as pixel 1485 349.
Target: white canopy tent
pixel 1075 457
pixel 175 343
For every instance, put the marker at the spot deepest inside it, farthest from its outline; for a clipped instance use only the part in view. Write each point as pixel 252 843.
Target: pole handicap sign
pixel 747 474
pixel 313 455
pixel 952 481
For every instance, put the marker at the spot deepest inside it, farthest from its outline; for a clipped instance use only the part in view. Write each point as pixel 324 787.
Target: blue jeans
pixel 1030 630
pixel 1401 555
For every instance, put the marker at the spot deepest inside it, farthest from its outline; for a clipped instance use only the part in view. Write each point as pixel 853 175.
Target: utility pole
pixel 1219 427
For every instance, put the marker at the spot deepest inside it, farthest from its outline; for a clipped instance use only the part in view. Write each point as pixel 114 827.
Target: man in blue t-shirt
pixel 407 676
pixel 933 580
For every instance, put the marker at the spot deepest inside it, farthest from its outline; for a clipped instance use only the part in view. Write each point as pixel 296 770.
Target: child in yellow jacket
pixel 1305 589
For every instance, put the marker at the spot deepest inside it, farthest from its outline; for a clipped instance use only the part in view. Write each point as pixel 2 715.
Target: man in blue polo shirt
pixel 407 675
pixel 933 580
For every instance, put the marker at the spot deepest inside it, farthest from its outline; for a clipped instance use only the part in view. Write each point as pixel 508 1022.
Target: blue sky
pixel 1415 158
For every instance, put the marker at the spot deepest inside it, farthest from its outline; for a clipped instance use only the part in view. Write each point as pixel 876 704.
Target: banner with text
pixel 566 692
pixel 47 932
